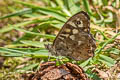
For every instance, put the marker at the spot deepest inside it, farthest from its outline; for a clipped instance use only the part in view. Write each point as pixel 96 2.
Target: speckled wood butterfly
pixel 74 39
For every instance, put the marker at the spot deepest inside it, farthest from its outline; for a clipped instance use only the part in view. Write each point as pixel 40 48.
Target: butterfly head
pixel 50 48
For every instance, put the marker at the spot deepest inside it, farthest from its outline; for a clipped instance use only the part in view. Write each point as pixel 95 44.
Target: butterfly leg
pixel 49 57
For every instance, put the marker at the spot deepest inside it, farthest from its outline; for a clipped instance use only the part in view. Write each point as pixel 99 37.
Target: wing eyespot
pixel 78 22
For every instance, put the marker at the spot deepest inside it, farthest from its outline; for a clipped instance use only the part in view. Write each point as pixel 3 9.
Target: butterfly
pixel 74 39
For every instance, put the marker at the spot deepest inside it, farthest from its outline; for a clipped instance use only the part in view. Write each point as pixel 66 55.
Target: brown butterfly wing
pixel 74 39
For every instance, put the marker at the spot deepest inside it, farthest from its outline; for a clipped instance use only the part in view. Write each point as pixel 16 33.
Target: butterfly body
pixel 74 39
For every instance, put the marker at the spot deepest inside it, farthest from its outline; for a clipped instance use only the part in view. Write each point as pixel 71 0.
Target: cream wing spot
pixel 85 30
pixel 72 37
pixel 61 38
pixel 71 23
pixel 66 35
pixel 79 42
pixel 75 31
pixel 85 17
pixel 78 19
pixel 82 14
pixel 67 30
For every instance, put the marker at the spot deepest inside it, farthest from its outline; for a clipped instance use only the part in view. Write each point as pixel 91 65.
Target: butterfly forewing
pixel 74 39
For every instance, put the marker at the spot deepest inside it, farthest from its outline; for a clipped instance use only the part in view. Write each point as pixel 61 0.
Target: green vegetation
pixel 27 25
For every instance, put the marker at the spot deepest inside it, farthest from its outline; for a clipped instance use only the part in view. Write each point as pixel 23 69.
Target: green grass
pixel 50 18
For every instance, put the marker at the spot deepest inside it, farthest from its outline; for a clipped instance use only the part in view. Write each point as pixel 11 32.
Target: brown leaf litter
pixel 49 71
pixel 112 74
